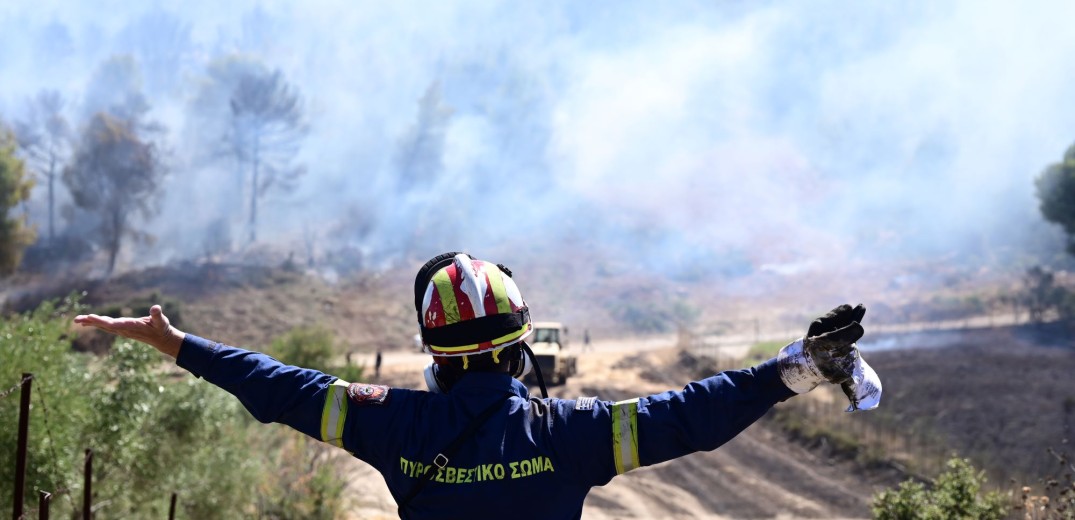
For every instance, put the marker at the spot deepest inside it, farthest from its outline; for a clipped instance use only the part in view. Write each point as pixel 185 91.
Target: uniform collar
pixel 490 382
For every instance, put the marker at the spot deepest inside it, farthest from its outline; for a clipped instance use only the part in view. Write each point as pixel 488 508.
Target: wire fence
pixel 42 511
pixel 17 386
pixel 52 450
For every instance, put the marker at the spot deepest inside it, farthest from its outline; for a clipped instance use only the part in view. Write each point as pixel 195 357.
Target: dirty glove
pixel 863 390
pixel 828 353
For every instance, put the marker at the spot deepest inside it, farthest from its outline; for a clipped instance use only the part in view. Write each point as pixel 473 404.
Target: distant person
pixel 585 340
pixel 477 445
pixel 377 366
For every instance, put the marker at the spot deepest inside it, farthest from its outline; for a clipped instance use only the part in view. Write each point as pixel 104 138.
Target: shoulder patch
pixel 585 403
pixel 361 393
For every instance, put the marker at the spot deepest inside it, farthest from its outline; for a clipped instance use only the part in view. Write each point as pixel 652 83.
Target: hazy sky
pixel 755 132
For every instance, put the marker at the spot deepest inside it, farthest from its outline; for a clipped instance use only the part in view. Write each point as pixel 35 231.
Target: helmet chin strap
pixel 537 369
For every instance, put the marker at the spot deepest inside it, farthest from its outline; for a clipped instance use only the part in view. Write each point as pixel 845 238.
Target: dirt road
pixel 757 475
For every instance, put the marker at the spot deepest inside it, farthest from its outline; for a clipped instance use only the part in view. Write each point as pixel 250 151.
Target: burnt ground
pixel 1000 396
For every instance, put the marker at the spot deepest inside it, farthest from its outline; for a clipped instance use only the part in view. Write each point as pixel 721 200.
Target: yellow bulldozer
pixel 550 346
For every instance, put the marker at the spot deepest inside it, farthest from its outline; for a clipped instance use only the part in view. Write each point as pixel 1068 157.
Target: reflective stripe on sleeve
pixel 334 413
pixel 625 435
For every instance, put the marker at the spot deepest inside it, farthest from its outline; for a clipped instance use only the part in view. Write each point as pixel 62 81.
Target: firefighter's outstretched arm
pixel 270 390
pixel 621 436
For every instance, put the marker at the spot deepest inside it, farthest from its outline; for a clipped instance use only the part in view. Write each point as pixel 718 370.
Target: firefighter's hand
pixel 826 353
pixel 154 330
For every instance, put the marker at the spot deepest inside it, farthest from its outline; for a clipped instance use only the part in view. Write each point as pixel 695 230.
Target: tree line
pixel 111 160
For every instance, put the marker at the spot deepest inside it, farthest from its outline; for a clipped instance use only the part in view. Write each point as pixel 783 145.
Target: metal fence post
pixel 20 453
pixel 87 488
pixel 171 508
pixel 43 499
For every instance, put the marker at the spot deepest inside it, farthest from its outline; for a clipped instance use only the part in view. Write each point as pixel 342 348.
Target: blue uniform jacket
pixel 538 458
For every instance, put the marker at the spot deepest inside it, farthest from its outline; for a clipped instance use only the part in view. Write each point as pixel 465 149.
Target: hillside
pixel 1000 395
pixel 248 305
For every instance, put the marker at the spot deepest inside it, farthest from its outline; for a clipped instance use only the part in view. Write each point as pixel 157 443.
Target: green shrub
pixel 350 373
pixel 15 185
pixel 954 495
pixel 150 437
pixel 209 448
pixel 909 500
pixel 314 346
pixel 307 346
pixel 35 343
pixel 304 483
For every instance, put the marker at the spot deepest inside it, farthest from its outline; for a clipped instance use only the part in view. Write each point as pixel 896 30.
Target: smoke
pixel 734 137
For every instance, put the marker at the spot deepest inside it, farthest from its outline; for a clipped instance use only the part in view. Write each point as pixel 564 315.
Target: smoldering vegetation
pixel 693 140
pixel 734 167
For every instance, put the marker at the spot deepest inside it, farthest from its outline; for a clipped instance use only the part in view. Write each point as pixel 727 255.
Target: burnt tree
pixel 45 140
pixel 115 173
pixel 265 134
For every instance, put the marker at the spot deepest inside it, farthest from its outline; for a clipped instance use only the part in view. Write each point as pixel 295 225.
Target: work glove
pixel 828 353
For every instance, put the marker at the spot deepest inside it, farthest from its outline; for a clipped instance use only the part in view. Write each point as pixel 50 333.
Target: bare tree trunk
pixel 113 251
pixel 52 199
pixel 114 241
pixel 254 193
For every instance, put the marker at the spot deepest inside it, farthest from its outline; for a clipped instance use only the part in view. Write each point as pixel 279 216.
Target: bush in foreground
pixel 954 495
pixel 151 434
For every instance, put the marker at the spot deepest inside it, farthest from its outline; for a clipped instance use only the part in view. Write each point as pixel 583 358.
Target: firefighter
pixel 477 444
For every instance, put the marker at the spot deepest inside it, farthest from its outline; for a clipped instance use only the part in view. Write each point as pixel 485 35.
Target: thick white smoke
pixel 727 135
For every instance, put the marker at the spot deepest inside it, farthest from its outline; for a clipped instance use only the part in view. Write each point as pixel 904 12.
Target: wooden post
pixel 43 499
pixel 87 488
pixel 171 508
pixel 20 450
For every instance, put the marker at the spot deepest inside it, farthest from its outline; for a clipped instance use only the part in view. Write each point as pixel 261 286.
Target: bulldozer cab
pixel 547 333
pixel 549 343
